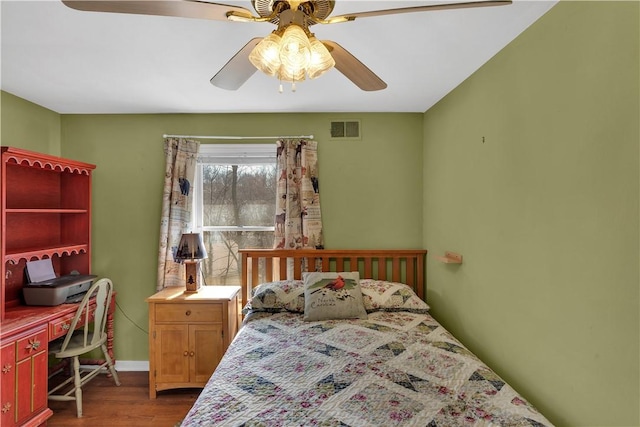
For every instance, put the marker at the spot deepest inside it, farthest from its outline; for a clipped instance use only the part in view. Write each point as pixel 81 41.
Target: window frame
pixel 227 154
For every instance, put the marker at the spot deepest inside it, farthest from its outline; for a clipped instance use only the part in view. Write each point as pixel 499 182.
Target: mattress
pixel 397 368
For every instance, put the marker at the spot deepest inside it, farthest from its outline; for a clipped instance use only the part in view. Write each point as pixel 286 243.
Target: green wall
pixel 29 126
pixel 370 190
pixel 532 173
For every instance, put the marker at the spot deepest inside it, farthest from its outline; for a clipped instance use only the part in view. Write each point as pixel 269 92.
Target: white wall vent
pixel 346 129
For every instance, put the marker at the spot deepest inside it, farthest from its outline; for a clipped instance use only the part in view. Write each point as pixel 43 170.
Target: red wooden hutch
pixel 45 209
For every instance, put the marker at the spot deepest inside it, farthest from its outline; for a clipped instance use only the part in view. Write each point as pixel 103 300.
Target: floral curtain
pixel 180 165
pixel 298 223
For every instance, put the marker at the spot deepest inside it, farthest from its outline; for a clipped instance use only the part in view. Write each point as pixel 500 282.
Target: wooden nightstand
pixel 189 333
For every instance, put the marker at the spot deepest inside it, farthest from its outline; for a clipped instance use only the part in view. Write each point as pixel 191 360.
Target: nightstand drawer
pixel 210 313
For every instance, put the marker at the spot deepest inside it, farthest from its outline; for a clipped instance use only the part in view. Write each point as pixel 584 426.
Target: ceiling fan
pixel 291 51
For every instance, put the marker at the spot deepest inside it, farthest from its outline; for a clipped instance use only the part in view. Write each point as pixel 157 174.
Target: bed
pixel 383 361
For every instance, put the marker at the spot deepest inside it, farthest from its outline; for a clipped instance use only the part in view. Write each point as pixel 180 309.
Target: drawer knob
pixel 191 354
pixel 188 313
pixel 186 353
pixel 33 345
pixel 6 368
pixel 6 407
pixel 65 326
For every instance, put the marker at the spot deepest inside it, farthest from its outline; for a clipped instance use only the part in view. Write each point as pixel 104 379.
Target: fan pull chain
pixel 293 87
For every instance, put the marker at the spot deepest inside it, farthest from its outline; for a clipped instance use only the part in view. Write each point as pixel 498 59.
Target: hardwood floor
pixel 105 404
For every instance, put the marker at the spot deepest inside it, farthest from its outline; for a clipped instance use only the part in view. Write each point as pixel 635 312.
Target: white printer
pixel 44 288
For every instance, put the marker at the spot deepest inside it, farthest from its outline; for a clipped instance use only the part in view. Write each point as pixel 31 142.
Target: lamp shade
pixel 191 247
pixel 321 60
pixel 290 74
pixel 266 55
pixel 295 53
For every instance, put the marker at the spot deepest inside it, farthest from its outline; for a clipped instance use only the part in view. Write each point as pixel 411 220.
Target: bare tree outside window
pixel 238 209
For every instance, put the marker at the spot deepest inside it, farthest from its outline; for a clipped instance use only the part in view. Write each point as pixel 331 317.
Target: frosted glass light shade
pixel 289 74
pixel 321 60
pixel 295 50
pixel 266 55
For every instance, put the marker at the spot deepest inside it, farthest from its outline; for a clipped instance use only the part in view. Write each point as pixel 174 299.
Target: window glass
pixel 234 205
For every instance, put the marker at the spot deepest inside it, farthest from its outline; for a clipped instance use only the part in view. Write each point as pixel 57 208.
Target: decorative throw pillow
pixel 285 295
pixel 332 296
pixel 380 295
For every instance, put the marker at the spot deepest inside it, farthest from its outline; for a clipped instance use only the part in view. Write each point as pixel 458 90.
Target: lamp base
pixel 193 281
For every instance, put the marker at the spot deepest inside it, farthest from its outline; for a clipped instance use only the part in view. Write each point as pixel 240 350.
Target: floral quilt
pixel 392 369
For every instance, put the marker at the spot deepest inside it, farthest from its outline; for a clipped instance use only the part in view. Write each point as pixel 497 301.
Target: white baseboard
pixel 132 365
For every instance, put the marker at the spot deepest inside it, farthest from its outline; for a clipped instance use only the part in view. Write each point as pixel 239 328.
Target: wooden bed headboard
pixel 397 265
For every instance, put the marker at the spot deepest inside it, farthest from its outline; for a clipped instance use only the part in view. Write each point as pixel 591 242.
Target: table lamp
pixel 191 250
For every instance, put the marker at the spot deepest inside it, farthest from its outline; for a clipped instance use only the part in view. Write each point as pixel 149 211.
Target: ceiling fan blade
pixel 183 9
pixel 413 9
pixel 238 69
pixel 353 69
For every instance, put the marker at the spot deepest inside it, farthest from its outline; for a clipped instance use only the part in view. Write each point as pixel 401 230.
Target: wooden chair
pixel 86 333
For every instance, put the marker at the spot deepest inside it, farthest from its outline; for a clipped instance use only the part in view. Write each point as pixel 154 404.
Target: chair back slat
pixel 103 299
pixel 101 291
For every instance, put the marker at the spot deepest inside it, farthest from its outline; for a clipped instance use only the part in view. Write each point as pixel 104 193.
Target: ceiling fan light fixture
pixel 321 60
pixel 266 55
pixel 291 54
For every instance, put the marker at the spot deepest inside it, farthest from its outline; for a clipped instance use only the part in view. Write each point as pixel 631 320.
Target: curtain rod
pixel 237 137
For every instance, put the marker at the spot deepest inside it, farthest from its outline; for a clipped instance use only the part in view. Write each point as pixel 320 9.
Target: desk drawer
pixel 31 344
pixel 189 313
pixel 59 327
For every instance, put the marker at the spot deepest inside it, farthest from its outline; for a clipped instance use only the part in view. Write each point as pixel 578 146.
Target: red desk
pixel 24 336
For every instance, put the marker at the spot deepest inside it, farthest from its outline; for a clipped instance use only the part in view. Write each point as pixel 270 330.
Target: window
pixel 234 205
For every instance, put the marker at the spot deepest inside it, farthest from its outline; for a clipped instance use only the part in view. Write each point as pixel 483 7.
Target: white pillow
pixel 333 296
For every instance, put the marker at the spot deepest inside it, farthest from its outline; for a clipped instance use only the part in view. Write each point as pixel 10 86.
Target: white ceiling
pixel 86 62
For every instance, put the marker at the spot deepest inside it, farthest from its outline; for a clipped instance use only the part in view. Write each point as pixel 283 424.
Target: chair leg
pixel 112 369
pixel 77 382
